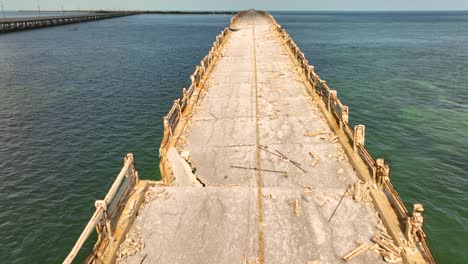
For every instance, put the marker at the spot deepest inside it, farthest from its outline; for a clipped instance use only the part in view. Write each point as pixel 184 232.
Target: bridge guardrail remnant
pixel 18 24
pixel 182 107
pixel 107 212
pixel 379 171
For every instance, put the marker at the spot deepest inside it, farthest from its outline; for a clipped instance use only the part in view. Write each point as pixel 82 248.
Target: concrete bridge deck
pixel 275 212
pixel 259 165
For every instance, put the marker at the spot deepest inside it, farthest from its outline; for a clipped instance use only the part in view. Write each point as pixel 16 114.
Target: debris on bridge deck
pixel 254 118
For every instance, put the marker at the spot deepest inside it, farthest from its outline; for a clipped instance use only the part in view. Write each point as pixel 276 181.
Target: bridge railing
pixel 182 107
pixel 107 211
pixel 356 136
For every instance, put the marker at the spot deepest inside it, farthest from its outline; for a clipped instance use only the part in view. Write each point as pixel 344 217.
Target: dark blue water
pixel 74 102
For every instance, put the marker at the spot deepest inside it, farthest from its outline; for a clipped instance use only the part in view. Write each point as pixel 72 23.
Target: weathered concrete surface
pixel 256 98
pixel 181 170
pixel 199 225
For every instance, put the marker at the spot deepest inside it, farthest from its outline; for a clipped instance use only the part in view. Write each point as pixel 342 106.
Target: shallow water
pixel 74 102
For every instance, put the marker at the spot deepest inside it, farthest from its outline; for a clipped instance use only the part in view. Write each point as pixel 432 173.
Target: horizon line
pixel 233 10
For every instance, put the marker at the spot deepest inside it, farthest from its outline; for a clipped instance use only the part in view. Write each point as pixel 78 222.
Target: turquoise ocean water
pixel 72 103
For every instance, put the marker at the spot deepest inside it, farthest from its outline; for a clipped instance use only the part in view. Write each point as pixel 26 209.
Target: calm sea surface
pixel 73 103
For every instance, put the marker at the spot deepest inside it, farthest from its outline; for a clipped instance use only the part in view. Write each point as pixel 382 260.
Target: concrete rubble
pixel 130 246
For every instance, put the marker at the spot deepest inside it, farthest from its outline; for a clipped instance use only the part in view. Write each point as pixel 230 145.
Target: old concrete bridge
pixel 25 23
pixel 259 165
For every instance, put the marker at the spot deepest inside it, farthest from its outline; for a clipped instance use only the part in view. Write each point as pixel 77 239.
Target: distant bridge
pixel 25 23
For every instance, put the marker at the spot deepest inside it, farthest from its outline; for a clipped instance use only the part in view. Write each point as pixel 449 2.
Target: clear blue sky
pixel 240 4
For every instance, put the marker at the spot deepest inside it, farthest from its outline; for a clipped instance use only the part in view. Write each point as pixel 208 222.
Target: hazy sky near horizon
pixel 297 5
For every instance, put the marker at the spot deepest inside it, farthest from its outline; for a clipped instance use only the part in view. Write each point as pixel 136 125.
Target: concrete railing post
pixel 331 97
pixel 185 95
pixel 167 128
pixel 414 225
pixel 344 116
pixel 359 136
pixel 132 168
pixel 382 173
pixel 102 204
pixel 322 83
pixel 177 107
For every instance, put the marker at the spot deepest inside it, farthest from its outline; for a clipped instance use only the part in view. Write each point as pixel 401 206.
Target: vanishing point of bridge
pixel 259 165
